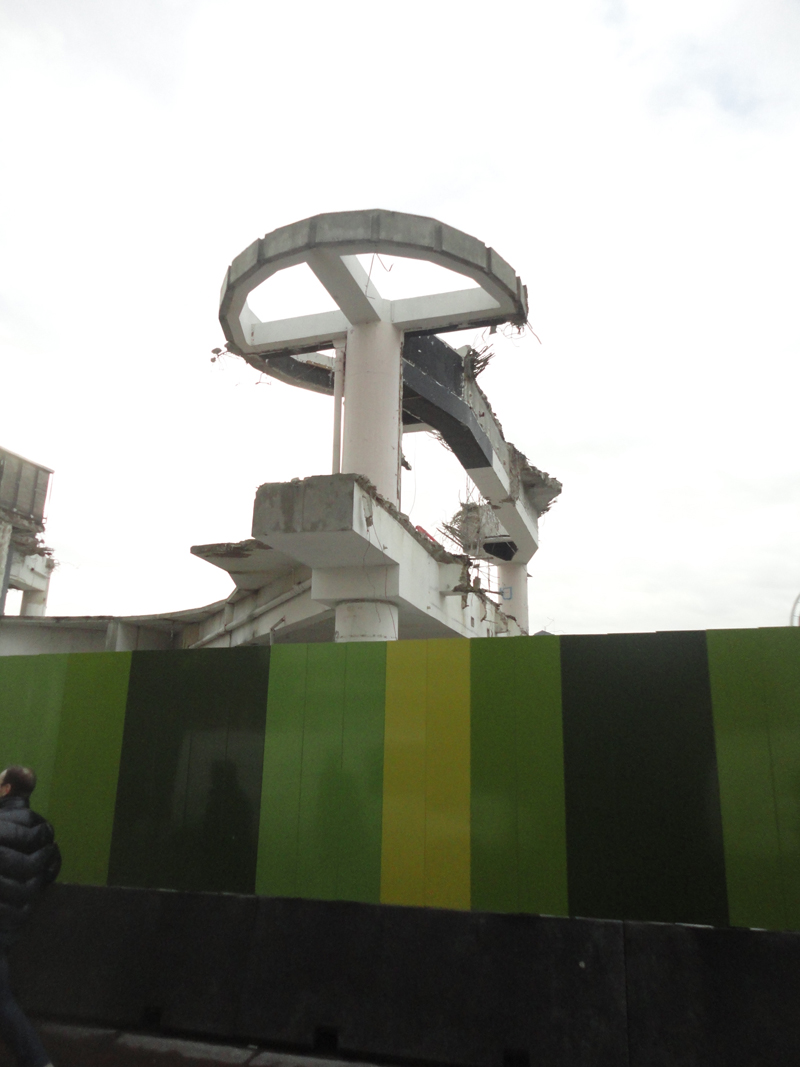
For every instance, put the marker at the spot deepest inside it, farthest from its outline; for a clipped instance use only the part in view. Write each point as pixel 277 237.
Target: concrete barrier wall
pixel 412 985
pixel 646 777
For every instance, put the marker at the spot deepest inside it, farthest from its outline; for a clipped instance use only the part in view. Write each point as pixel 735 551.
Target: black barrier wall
pixel 413 985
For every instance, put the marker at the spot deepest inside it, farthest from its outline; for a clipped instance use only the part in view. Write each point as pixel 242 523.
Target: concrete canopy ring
pixel 329 244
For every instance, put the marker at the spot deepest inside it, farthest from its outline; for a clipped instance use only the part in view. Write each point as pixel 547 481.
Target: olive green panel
pixel 276 872
pixel 362 772
pixel 740 700
pixel 320 823
pixel 541 818
pixel 87 762
pixel 31 691
pixel 782 685
pixel 403 844
pixel 519 852
pixel 447 775
pixel 495 796
pixel 189 783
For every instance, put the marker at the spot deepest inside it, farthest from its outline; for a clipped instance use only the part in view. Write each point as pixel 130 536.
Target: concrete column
pixel 366 620
pixel 512 578
pixel 338 393
pixel 372 394
pixel 34 602
pixel 6 557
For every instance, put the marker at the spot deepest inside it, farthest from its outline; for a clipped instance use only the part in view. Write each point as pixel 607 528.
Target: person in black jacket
pixel 29 861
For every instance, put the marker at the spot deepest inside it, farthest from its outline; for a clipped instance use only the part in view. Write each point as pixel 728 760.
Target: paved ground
pixel 83 1046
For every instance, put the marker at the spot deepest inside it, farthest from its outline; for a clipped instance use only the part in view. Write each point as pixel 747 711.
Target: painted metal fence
pixel 637 776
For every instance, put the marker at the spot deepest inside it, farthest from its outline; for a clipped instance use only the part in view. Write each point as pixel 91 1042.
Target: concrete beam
pixel 349 285
pixel 323 240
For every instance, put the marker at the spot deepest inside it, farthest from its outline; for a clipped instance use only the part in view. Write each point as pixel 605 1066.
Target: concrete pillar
pixel 372 395
pixel 512 578
pixel 338 393
pixel 366 620
pixel 6 558
pixel 34 602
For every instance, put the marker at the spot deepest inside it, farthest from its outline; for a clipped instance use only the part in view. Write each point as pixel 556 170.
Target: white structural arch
pixel 329 244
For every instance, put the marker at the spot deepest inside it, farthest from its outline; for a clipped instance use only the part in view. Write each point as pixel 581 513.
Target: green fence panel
pixel 494 785
pixel 87 762
pixel 782 685
pixel 519 855
pixel 31 692
pixel 755 679
pixel 320 825
pixel 276 872
pixel 541 819
pixel 359 866
pixel 644 830
pixel 189 792
pixel 322 794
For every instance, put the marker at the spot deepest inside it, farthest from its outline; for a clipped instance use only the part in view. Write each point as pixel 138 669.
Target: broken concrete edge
pixel 437 551
pixel 376 230
pixel 26 533
pixel 431 546
pixel 230 549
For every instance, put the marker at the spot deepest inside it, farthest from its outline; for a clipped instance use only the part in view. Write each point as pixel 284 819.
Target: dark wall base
pixel 413 985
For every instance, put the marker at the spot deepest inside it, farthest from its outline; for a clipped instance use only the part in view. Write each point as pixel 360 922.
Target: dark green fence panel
pixel 189 788
pixel 644 830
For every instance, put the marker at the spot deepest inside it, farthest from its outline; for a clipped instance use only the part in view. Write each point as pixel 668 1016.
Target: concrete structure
pixel 333 557
pixel 25 563
pixel 367 574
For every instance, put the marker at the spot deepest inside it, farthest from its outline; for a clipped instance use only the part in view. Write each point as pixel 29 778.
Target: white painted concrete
pixel 329 244
pixel 34 602
pixel 338 394
pixel 372 398
pixel 513 580
pixel 367 620
pixel 6 558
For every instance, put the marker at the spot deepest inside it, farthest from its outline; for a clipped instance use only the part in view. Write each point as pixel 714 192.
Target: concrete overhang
pixel 330 244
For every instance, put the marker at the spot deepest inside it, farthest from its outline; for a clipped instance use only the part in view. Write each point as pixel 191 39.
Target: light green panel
pixel 87 760
pixel 31 691
pixel 741 693
pixel 322 792
pixel 276 869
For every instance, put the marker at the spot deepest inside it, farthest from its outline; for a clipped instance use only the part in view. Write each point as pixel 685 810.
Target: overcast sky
pixel 637 163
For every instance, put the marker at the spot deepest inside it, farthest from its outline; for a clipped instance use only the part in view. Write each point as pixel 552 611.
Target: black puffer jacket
pixel 29 861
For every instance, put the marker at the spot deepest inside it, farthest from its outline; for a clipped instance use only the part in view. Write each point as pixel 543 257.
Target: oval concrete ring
pixel 329 244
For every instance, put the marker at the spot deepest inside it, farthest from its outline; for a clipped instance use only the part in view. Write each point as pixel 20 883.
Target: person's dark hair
pixel 21 779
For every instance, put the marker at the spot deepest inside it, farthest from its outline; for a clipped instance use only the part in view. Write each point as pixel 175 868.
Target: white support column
pixel 338 393
pixel 34 602
pixel 372 407
pixel 6 557
pixel 512 578
pixel 366 620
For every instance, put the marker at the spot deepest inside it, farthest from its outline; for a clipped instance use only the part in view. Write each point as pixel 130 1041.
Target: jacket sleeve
pixel 53 866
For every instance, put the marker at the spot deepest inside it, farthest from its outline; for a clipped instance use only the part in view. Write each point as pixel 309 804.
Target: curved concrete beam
pixel 329 244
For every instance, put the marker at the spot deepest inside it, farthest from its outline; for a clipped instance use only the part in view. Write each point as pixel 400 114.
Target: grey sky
pixel 636 163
